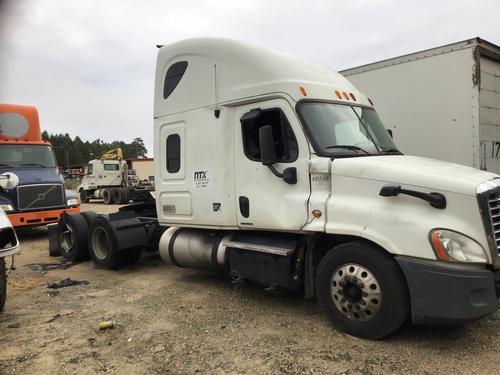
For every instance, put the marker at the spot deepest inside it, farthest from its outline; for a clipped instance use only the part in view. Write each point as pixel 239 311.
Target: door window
pixel 287 149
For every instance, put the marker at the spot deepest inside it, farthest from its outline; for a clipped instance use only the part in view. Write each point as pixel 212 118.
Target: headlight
pixel 7 207
pixel 73 202
pixel 455 247
pixel 8 180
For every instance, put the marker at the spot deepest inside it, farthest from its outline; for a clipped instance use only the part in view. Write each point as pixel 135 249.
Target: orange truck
pixel 32 189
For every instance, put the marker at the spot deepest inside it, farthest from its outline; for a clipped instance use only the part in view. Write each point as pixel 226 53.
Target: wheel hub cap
pixel 355 292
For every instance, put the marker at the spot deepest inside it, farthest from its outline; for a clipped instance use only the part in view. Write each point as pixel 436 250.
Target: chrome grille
pixel 41 196
pixel 494 209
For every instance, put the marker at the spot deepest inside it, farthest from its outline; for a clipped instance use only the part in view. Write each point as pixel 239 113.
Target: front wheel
pixel 3 284
pixel 83 196
pixel 362 290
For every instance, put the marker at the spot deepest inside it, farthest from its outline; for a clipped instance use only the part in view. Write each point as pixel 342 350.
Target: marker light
pixel 352 96
pixel 337 92
pixel 456 247
pixel 316 214
pixel 370 101
pixel 303 90
pixel 346 96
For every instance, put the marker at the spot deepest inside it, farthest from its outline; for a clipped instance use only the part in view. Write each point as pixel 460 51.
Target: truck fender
pixel 128 230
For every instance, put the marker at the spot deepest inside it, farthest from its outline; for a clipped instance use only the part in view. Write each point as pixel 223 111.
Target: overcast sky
pixel 89 65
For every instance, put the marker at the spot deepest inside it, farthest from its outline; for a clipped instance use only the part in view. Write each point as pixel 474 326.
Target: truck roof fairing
pixel 224 72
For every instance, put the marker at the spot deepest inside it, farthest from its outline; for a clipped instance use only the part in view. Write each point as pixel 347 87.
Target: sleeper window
pixel 173 77
pixel 173 153
pixel 287 149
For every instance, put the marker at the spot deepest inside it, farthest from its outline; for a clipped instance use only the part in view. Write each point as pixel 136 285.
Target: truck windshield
pixel 344 130
pixel 26 156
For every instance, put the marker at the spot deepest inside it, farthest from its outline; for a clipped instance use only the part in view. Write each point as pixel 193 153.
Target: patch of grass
pixel 71 184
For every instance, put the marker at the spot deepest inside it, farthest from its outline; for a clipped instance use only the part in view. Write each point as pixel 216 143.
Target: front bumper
pixel 35 218
pixel 445 293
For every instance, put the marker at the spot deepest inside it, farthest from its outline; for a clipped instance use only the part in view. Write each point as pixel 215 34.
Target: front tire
pixel 83 196
pixel 362 290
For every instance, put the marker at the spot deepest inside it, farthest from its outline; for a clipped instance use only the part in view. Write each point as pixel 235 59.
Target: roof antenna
pixel 217 110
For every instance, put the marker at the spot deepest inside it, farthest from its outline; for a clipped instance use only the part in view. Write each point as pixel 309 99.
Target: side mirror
pixel 390 132
pixel 267 148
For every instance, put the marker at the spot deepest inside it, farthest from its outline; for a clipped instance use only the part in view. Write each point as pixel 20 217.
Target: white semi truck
pixel 277 170
pixel 442 103
pixel 108 179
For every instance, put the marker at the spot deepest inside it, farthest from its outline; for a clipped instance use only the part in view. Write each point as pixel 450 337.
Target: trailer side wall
pixel 430 103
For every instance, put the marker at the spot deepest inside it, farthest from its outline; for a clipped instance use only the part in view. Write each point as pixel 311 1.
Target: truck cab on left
pixel 32 189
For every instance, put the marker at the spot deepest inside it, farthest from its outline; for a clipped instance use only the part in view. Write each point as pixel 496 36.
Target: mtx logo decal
pixel 201 179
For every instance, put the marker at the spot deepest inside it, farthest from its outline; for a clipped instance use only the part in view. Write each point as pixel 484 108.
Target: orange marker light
pixel 346 96
pixel 303 90
pixel 337 92
pixel 352 96
pixel 438 246
pixel 370 101
pixel 316 214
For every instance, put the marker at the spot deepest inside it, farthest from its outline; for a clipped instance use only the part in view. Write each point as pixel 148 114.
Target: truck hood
pixel 35 175
pixel 415 171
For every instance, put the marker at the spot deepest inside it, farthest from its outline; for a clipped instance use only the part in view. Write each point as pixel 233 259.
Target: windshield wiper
pixel 350 147
pixel 6 165
pixel 392 151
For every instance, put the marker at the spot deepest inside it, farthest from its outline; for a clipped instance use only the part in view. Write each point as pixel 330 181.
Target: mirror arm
pixel 289 175
pixel 275 171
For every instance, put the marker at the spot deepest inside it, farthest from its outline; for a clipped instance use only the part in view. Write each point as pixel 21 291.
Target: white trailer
pixel 441 103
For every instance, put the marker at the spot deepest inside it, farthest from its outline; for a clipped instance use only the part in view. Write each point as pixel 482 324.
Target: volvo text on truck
pixel 32 191
pixel 442 103
pixel 277 170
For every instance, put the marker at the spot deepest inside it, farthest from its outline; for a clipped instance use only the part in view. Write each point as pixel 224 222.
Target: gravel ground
pixel 174 320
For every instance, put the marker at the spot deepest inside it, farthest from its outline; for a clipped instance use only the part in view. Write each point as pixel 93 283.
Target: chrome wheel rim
pixel 67 239
pixel 356 292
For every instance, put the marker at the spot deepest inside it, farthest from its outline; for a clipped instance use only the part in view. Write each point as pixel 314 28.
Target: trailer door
pixel 264 200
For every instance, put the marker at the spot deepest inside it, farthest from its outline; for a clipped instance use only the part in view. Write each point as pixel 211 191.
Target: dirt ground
pixel 180 321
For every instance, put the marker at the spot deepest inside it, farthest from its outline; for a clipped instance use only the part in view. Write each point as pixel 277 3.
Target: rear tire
pixel 117 195
pixel 132 256
pixel 362 290
pixel 72 233
pixel 125 196
pixel 89 217
pixel 103 248
pixel 107 196
pixel 3 284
